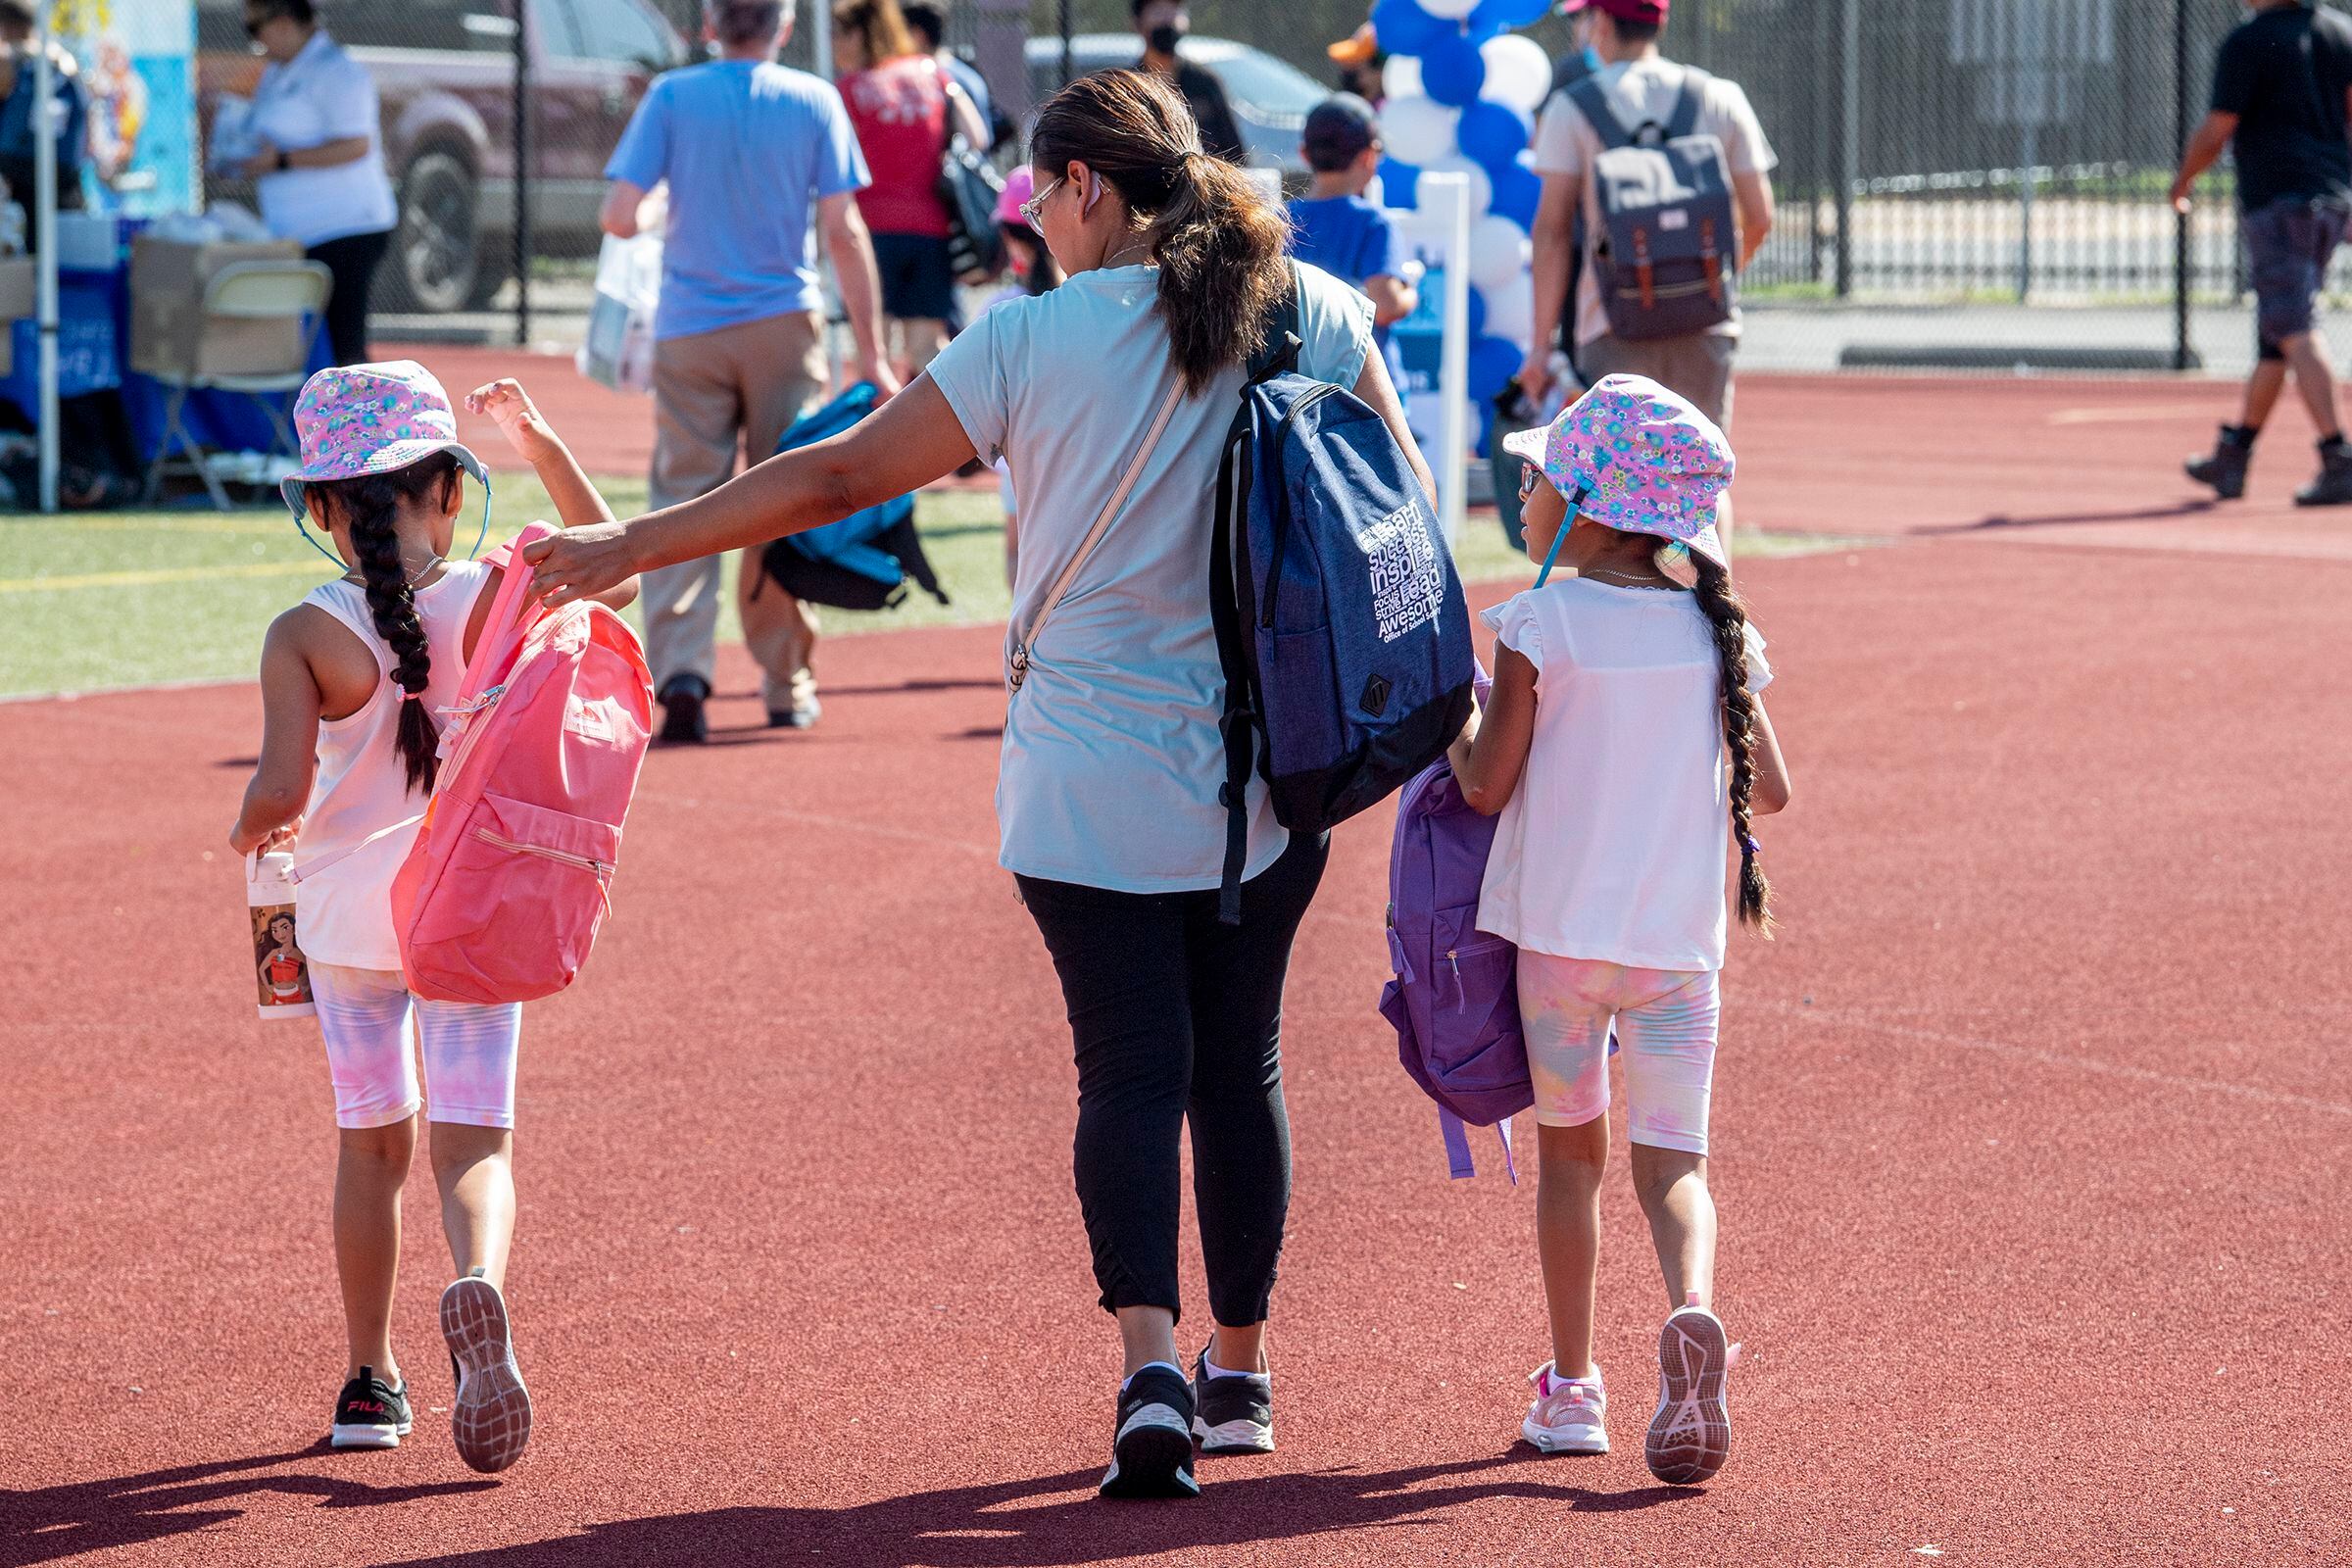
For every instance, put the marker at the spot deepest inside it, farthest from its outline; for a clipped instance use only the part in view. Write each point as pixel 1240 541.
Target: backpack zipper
pixel 586 862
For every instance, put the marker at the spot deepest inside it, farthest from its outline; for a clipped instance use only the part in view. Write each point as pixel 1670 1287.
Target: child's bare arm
pixel 281 781
pixel 1771 792
pixel 577 503
pixel 1491 754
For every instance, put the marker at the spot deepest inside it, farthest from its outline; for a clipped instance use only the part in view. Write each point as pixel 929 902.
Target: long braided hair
pixel 1727 612
pixel 369 506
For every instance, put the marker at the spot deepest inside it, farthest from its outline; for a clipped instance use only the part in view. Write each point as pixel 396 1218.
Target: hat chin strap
pixel 1567 521
pixel 467 461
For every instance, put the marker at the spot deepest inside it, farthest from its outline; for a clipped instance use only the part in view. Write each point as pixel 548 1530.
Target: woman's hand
pixel 262 162
pixel 580 562
pixel 519 419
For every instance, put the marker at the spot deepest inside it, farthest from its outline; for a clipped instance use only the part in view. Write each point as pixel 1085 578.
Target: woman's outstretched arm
pixel 909 441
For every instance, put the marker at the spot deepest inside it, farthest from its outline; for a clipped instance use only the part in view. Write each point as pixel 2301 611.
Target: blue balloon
pixel 1517 190
pixel 1477 315
pixel 1400 183
pixel 1484 446
pixel 1493 135
pixel 1453 71
pixel 1493 361
pixel 1495 16
pixel 1405 28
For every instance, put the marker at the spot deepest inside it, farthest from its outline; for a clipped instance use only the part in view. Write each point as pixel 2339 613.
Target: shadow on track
pixel 53 1523
pixel 1057 1522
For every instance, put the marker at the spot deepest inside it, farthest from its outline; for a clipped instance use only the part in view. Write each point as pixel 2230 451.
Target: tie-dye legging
pixel 373 1029
pixel 1665 1022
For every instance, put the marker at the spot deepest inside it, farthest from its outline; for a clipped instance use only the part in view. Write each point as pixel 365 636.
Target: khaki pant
pixel 1697 365
pixel 711 392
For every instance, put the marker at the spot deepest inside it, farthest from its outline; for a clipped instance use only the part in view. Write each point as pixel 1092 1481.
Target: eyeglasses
pixel 1037 204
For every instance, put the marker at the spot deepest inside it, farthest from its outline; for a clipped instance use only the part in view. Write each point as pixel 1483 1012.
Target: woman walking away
pixel 320 166
pixel 351 679
pixel 1626 748
pixel 904 108
pixel 1123 381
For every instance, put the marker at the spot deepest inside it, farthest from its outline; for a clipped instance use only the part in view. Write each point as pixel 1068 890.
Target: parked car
pixel 445 70
pixel 1270 97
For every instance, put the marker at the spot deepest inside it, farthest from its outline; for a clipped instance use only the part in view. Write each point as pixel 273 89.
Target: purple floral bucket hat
pixel 358 420
pixel 1633 455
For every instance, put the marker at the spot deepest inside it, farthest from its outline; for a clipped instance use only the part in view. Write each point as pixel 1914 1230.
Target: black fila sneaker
pixel 369 1413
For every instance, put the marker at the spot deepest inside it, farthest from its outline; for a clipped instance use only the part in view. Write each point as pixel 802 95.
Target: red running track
pixel 2033 1141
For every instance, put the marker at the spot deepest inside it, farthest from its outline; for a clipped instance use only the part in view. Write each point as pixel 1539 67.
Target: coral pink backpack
pixel 502 894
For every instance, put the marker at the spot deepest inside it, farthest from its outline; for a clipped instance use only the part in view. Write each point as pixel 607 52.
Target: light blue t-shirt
pixel 1112 762
pixel 748 150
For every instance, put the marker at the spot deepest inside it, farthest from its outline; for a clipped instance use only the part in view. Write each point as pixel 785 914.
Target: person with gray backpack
pixel 1670 172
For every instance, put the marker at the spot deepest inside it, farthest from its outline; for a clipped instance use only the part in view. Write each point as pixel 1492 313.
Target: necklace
pixel 1621 581
pixel 414 577
pixel 1140 244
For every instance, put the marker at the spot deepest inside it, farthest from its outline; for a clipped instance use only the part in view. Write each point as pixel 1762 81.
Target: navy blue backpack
pixel 1340 620
pixel 863 561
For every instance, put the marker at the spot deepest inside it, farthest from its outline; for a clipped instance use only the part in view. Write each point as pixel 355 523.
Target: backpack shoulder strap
pixel 1286 334
pixel 1093 536
pixel 1592 99
pixel 1689 103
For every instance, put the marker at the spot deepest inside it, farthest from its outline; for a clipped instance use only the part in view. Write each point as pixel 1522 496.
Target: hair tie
pixel 1747 842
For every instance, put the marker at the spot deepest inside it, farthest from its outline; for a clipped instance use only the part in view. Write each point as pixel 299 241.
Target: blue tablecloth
pixel 93 353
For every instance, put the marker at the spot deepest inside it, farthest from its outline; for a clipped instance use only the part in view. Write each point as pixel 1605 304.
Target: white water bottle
pixel 282 975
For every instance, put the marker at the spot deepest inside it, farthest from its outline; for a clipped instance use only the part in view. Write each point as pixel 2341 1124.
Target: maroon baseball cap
pixel 1650 11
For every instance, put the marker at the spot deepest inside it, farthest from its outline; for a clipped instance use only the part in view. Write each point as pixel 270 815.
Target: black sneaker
pixel 1232 1414
pixel 1151 1451
pixel 2224 468
pixel 2333 486
pixel 369 1413
pixel 802 715
pixel 491 1420
pixel 682 720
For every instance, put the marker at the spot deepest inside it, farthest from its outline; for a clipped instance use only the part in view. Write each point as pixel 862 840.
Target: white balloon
pixel 1401 78
pixel 1447 10
pixel 1518 73
pixel 1511 308
pixel 1482 185
pixel 1499 253
pixel 1418 131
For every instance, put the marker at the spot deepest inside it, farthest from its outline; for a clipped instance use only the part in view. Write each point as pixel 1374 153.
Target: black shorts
pixel 917 284
pixel 2288 245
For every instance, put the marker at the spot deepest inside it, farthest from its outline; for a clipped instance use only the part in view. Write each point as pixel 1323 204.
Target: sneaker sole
pixel 1566 1439
pixel 491 1420
pixel 1691 1436
pixel 1151 1457
pixel 342 1437
pixel 1234 1436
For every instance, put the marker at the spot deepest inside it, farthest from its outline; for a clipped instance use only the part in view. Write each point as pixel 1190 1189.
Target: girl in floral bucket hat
pixel 1626 747
pixel 352 680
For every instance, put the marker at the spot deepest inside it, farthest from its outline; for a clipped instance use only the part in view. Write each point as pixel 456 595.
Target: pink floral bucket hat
pixel 1633 455
pixel 359 419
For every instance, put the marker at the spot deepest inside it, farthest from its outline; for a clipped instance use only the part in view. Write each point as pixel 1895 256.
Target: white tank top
pixel 343 908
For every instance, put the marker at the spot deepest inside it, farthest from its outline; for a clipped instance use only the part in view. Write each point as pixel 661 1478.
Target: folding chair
pixel 243 291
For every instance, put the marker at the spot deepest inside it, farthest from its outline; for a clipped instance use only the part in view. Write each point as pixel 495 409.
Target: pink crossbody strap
pixel 1093 536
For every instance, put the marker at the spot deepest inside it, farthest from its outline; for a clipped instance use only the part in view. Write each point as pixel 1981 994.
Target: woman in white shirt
pixel 1107 791
pixel 320 159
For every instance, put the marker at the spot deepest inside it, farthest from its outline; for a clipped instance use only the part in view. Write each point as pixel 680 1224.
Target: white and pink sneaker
pixel 1569 1415
pixel 1690 1435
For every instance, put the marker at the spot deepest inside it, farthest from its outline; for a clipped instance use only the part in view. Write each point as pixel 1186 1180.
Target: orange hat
pixel 1358 48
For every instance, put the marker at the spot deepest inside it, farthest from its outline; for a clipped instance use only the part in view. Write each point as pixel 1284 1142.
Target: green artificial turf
pixel 106 600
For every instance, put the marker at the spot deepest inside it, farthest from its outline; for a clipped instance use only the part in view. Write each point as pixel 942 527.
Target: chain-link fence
pixel 1966 154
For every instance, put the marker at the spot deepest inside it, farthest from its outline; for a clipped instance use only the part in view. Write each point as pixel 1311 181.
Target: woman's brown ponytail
pixel 1218 241
pixel 1728 613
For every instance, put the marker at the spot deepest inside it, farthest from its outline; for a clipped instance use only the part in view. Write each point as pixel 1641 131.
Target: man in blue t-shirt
pixel 752 152
pixel 1336 228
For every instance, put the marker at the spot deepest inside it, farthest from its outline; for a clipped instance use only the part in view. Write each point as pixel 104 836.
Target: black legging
pixel 1174 1015
pixel 352 258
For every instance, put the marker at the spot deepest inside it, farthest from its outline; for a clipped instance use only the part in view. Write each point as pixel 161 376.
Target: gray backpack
pixel 1664 250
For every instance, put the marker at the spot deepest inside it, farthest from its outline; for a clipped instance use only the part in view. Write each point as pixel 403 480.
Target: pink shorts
pixel 373 1029
pixel 1665 1021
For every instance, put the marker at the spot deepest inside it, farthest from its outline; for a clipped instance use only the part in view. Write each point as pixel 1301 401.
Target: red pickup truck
pixel 445 70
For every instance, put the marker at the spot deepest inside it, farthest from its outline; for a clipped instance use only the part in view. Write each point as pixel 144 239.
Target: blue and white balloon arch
pixel 1462 92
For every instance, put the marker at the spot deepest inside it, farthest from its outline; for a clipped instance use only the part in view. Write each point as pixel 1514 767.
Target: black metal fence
pixel 1930 151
